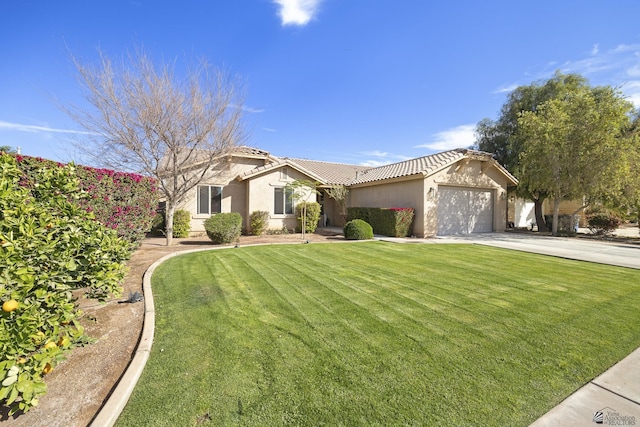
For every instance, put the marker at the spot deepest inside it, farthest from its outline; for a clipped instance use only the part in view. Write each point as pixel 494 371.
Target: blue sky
pixel 352 81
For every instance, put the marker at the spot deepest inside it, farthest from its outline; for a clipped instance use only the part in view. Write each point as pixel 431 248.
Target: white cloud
pixel 297 12
pixel 37 129
pixel 269 129
pixel 375 153
pixel 632 91
pixel 506 88
pixel 374 163
pixel 458 137
pixel 618 66
pixel 252 110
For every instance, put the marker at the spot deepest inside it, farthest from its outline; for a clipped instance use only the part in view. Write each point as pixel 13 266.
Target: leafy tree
pixel 501 137
pixel 574 147
pixel 7 149
pixel 148 119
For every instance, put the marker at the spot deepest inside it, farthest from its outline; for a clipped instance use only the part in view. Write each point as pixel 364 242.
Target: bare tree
pixel 176 128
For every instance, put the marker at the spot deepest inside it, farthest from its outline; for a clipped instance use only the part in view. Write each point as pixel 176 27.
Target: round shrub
pixel 181 223
pixel 259 221
pixel 224 227
pixel 358 229
pixel 602 223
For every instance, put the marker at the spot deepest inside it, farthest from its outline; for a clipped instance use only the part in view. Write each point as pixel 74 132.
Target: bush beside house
pixel 311 218
pixel 224 227
pixel 392 222
pixel 258 222
pixel 49 245
pixel 357 229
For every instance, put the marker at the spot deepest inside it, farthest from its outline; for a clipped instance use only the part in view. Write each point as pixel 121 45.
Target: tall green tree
pixel 502 138
pixel 576 147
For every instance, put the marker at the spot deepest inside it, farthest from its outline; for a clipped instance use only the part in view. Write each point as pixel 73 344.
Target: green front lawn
pixel 378 334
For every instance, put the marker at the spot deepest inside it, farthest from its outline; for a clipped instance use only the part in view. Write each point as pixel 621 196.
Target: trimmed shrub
pixel 181 223
pixel 224 227
pixel 49 246
pixel 312 216
pixel 259 221
pixel 603 223
pixel 357 229
pixel 392 222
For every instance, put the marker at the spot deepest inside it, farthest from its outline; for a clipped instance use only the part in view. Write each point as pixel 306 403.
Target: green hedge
pixel 125 202
pixel 224 227
pixel 392 222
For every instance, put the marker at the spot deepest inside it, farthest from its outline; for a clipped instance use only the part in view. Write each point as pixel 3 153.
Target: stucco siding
pixel 473 174
pixel 403 194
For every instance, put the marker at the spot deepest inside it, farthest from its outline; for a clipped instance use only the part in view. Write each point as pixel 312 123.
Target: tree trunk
pixel 556 209
pixel 542 226
pixel 169 222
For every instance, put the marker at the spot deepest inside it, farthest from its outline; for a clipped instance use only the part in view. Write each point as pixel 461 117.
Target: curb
pixel 117 400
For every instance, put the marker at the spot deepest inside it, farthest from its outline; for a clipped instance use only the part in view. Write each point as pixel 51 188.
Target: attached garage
pixel 464 211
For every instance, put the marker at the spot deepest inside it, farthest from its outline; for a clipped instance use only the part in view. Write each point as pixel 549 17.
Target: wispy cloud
pixel 297 12
pixel 618 66
pixel 252 110
pixel 458 137
pixel 375 153
pixel 38 129
pixel 269 129
pixel 374 163
pixel 506 88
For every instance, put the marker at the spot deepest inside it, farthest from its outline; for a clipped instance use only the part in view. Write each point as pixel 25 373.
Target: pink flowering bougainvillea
pixel 125 202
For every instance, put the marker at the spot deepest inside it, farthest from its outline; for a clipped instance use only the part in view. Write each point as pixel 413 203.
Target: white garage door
pixel 464 211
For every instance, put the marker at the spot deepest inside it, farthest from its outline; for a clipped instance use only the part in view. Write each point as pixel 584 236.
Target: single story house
pixel 458 191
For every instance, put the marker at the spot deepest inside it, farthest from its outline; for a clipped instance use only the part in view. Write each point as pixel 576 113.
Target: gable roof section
pixel 426 166
pixel 327 173
pixel 276 164
pixel 331 173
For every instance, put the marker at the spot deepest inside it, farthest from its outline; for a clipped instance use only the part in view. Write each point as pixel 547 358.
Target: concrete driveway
pixel 619 254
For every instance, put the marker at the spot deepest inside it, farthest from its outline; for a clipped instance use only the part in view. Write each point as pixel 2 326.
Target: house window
pixel 282 200
pixel 209 199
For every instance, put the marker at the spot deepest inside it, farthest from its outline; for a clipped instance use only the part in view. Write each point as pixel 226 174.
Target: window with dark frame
pixel 282 200
pixel 209 199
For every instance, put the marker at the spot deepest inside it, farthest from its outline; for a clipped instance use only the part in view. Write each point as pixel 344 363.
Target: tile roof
pixel 424 166
pixel 344 174
pixel 331 173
